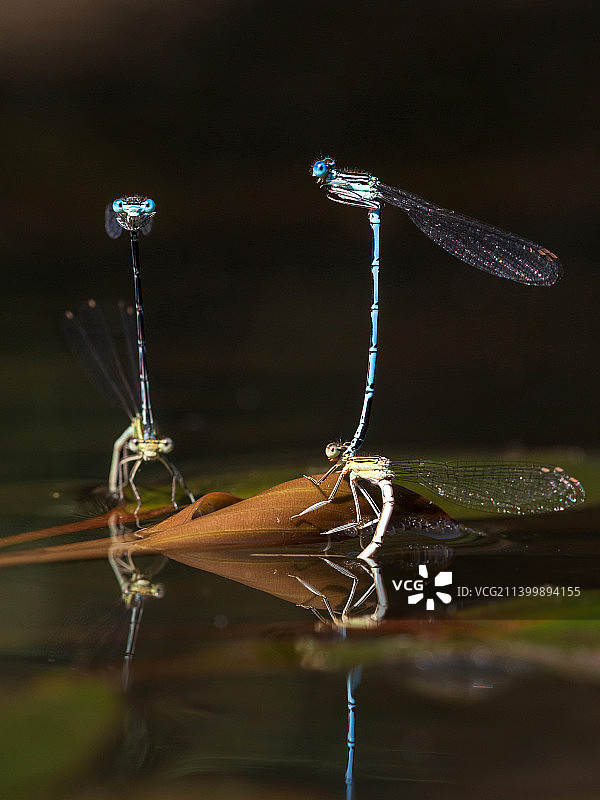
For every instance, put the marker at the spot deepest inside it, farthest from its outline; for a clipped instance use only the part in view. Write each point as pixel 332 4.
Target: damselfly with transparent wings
pixel 483 246
pixel 504 487
pixel 91 341
pixel 477 243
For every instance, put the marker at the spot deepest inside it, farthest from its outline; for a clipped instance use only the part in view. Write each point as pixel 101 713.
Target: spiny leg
pixel 177 476
pixel 115 476
pixel 353 480
pixel 370 500
pixel 354 485
pixel 368 592
pixel 323 502
pixel 138 463
pixel 322 478
pixel 317 593
pixel 124 470
pixel 174 475
pixel 348 574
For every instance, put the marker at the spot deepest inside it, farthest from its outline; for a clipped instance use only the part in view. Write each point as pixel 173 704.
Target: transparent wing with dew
pixel 506 487
pixel 479 244
pixel 111 225
pixel 90 340
pixel 129 325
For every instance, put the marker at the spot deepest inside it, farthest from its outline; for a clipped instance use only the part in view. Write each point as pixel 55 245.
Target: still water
pixel 237 691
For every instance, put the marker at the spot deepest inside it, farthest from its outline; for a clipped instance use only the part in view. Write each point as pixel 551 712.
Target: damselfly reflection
pixel 483 246
pixel 136 587
pixel 364 606
pixel 90 339
pixel 505 487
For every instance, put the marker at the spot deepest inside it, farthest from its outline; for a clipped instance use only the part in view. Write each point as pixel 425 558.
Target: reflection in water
pixel 135 587
pixel 356 612
pixel 352 609
pixel 345 593
pixel 352 599
pixel 352 683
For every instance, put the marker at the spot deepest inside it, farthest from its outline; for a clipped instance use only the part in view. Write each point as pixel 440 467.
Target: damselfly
pixel 135 213
pixel 90 339
pixel 504 487
pixel 481 245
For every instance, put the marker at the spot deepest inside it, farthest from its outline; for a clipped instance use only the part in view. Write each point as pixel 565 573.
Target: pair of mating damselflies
pixel 513 488
pixel 89 337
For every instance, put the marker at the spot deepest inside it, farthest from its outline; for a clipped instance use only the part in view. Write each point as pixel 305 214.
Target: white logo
pixel 441 579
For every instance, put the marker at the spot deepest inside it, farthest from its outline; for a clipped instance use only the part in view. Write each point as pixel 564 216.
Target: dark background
pixel 257 288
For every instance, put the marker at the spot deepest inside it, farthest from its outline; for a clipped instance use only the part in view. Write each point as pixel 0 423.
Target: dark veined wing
pixel 506 487
pixel 111 225
pixel 479 244
pixel 90 340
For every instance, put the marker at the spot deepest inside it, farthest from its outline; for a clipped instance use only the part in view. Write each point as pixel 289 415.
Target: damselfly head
pixel 133 212
pixel 142 586
pixel 323 169
pixel 336 450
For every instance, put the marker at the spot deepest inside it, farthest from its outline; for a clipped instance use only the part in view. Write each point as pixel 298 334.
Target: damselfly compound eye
pixel 117 206
pixel 332 450
pixel 149 206
pixel 319 169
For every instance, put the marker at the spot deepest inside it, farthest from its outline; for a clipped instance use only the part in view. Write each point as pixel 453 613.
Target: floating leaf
pixel 269 519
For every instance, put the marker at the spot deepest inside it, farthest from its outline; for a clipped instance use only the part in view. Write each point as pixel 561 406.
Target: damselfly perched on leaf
pixel 504 487
pixel 90 339
pixel 477 243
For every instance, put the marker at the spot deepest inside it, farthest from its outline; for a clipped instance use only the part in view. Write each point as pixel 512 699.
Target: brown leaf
pixel 265 520
pixel 288 577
